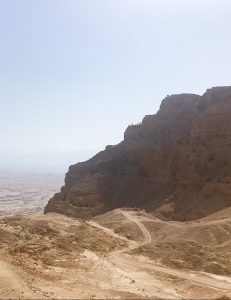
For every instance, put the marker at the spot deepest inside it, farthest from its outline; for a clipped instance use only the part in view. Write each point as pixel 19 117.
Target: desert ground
pixel 123 254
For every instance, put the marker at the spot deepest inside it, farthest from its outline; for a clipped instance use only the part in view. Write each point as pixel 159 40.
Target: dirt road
pixel 100 274
pixel 124 263
pixel 133 218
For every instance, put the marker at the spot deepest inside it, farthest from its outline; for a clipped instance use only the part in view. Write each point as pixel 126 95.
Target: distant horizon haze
pixel 75 74
pixel 43 162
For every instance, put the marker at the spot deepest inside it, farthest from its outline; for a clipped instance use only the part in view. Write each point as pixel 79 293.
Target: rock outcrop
pixel 175 164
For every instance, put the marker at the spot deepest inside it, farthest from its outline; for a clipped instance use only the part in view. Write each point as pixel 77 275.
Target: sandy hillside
pixel 122 254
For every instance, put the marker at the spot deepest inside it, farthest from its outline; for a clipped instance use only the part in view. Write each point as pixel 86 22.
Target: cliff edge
pixel 176 164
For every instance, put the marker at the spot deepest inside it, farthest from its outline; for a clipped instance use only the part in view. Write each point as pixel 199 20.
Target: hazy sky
pixel 75 73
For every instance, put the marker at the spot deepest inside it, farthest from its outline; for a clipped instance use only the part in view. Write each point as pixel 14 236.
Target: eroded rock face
pixel 176 164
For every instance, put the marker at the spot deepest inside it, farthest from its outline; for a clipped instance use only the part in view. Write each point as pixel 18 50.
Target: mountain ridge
pixel 174 164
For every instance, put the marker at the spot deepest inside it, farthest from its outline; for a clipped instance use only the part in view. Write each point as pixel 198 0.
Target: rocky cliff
pixel 175 164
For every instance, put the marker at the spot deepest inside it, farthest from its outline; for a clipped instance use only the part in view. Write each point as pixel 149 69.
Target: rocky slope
pixel 175 164
pixel 122 254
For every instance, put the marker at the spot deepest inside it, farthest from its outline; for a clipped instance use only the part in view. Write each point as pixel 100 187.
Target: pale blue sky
pixel 75 73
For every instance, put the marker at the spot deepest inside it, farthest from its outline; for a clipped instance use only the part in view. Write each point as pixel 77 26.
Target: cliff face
pixel 176 164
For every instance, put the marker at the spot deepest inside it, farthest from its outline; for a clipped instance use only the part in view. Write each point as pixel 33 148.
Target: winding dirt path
pixel 119 259
pixel 193 277
pixel 119 271
pixel 190 276
pixel 133 218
